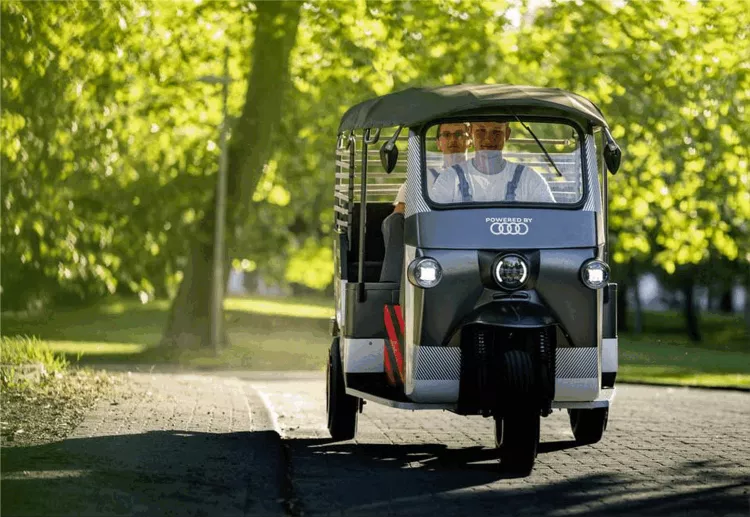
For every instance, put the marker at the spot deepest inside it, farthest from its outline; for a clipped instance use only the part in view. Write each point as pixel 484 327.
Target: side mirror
pixel 389 157
pixel 389 153
pixel 612 153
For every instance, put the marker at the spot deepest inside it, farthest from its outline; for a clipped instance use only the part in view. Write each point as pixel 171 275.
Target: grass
pixel 292 334
pixel 45 406
pixel 265 334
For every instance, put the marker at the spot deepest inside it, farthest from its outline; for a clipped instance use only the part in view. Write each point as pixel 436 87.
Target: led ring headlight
pixel 510 271
pixel 595 274
pixel 425 272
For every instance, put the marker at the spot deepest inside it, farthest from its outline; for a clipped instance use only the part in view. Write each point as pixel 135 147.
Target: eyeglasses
pixel 456 134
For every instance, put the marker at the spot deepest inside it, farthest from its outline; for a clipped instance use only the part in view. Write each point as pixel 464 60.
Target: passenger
pixel 453 140
pixel 488 176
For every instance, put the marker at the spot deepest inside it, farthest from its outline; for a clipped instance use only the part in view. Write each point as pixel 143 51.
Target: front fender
pixel 512 314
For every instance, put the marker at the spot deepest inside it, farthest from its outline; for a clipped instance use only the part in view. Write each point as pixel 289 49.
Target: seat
pixel 393 237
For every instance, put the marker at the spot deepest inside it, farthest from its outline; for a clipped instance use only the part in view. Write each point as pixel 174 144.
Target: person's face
pixel 489 136
pixel 453 138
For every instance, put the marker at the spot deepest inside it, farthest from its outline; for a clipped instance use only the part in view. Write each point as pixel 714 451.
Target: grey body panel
pixel 364 319
pixel 575 306
pixel 557 295
pixel 472 229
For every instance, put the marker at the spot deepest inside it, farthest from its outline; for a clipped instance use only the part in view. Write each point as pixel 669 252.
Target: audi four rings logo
pixel 509 228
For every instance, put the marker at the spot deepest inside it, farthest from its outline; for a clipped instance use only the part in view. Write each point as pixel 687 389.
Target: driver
pixel 453 140
pixel 488 176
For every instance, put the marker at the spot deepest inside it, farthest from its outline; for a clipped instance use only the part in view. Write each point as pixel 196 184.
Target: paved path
pixel 667 451
pixel 209 445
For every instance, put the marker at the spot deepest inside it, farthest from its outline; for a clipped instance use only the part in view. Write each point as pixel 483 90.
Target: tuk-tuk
pixel 489 294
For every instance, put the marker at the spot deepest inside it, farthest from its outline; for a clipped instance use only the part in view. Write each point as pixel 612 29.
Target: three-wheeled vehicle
pixel 490 294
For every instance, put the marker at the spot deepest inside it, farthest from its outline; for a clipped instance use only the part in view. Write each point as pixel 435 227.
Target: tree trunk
pixel 622 307
pixel 725 302
pixel 638 328
pixel 249 150
pixel 691 311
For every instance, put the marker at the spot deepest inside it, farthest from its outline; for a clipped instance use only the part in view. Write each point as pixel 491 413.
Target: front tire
pixel 341 408
pixel 517 432
pixel 588 425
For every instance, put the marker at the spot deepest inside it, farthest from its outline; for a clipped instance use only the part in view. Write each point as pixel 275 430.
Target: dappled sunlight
pixel 95 348
pixel 278 308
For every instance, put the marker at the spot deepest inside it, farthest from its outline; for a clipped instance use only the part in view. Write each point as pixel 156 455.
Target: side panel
pixel 412 310
pixel 610 352
pixel 364 319
pixel 577 373
pixel 363 355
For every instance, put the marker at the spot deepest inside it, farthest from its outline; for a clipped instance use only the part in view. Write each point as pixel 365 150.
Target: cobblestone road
pixel 209 445
pixel 667 451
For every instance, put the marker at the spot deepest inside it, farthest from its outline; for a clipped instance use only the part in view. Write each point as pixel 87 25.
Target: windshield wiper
pixel 527 128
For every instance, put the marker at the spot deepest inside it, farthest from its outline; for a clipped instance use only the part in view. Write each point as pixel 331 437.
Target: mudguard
pixel 511 313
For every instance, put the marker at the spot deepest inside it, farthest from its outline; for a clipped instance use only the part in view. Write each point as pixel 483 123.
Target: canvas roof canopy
pixel 414 106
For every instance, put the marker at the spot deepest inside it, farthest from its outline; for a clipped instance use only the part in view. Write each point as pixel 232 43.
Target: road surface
pixel 256 444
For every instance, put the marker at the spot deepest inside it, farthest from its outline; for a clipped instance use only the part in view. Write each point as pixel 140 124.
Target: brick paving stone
pixel 177 445
pixel 667 451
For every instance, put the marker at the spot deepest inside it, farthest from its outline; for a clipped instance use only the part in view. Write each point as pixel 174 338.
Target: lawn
pixel 292 334
pixel 265 334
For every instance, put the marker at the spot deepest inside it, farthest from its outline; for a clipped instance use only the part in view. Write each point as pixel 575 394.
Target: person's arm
pixel 399 204
pixel 442 191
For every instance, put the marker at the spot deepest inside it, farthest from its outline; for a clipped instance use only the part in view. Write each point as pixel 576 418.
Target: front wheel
pixel 520 440
pixel 341 408
pixel 588 425
pixel 517 432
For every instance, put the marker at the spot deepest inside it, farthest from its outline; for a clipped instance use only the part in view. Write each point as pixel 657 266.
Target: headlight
pixel 595 274
pixel 510 271
pixel 425 272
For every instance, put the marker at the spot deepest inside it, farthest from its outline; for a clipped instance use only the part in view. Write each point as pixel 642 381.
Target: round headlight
pixel 595 274
pixel 425 272
pixel 511 271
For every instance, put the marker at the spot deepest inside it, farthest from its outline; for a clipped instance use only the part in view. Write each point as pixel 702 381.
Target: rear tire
pixel 518 431
pixel 588 425
pixel 341 408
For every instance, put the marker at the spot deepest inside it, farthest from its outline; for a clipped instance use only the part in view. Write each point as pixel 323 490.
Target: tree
pixel 275 32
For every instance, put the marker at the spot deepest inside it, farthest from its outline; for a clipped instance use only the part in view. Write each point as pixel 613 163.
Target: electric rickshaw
pixel 496 306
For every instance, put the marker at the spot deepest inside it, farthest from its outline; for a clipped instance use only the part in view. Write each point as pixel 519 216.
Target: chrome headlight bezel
pixel 500 274
pixel 601 274
pixel 416 272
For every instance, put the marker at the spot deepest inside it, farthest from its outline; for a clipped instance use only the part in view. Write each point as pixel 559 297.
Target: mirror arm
pixel 612 146
pixel 392 140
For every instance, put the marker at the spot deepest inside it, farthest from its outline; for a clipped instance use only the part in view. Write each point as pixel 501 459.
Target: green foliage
pixel 110 145
pixel 672 76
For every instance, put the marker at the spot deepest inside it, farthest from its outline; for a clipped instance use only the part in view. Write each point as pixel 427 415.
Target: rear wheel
pixel 517 432
pixel 342 409
pixel 588 425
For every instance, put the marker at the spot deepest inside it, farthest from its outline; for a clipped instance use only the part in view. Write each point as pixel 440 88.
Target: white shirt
pixel 491 185
pixel 448 161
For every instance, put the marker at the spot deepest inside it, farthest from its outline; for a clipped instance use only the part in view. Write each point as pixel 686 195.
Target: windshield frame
pixel 505 117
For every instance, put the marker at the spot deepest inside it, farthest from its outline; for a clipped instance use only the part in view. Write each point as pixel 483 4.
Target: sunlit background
pixel 111 146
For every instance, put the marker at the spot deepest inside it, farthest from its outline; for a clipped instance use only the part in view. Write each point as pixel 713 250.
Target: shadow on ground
pixel 153 473
pixel 187 473
pixel 362 479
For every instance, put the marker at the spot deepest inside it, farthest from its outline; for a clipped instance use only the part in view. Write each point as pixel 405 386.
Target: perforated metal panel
pixel 593 203
pixel 415 202
pixel 576 363
pixel 437 363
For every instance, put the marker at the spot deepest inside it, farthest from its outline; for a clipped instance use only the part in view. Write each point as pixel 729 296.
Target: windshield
pixel 503 161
